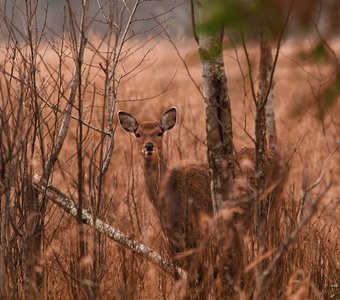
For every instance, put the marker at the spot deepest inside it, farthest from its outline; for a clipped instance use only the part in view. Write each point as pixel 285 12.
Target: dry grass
pixel 310 269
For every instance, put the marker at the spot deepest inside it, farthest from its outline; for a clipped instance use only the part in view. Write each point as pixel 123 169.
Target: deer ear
pixel 127 122
pixel 168 120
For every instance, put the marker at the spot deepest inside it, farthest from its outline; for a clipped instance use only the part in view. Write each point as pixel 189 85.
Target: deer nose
pixel 149 146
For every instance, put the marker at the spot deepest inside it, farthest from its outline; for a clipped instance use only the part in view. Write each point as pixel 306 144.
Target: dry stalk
pixel 291 239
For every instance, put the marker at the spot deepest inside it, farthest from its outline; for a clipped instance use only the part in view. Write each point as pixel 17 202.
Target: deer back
pixel 183 197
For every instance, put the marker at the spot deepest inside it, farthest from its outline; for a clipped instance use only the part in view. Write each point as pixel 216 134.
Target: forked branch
pixel 110 92
pixel 71 100
pixel 278 48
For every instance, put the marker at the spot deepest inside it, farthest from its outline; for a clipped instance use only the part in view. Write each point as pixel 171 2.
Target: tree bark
pixel 218 111
pixel 220 152
pixel 264 99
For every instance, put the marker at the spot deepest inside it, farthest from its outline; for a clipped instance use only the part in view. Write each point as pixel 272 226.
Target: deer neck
pixel 154 170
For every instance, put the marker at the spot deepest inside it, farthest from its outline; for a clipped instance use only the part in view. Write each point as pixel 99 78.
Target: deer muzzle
pixel 149 148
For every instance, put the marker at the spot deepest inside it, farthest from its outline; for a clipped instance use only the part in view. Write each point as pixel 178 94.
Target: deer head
pixel 149 135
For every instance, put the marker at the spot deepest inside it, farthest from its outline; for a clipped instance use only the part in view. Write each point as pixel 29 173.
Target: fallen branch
pixel 58 198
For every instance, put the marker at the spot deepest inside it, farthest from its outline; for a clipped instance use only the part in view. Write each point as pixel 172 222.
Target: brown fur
pixel 181 196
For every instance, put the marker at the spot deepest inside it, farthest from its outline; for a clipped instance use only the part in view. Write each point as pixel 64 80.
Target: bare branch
pixel 193 22
pixel 180 57
pixel 249 69
pixel 278 47
pixel 110 95
pixel 124 240
pixel 76 77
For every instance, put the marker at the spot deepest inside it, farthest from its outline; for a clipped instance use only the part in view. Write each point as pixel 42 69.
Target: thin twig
pixel 67 112
pixel 180 57
pixel 193 22
pixel 249 68
pixel 278 47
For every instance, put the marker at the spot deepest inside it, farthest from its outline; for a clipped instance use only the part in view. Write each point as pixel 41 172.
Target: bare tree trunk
pixel 5 200
pixel 33 243
pixel 261 121
pixel 261 142
pixel 270 118
pixel 218 112
pixel 80 157
pixel 220 156
pixel 265 133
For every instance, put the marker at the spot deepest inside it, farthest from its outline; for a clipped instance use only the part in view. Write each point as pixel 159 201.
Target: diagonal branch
pixel 61 200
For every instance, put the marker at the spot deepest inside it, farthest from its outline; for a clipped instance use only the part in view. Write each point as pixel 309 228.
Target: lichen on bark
pixel 218 117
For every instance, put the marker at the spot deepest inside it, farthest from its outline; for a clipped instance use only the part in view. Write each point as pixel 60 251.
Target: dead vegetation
pixel 46 253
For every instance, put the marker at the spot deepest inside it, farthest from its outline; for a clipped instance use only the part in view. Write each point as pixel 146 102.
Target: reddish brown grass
pixel 310 269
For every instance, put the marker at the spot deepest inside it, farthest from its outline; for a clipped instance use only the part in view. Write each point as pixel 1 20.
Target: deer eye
pixel 160 133
pixel 137 135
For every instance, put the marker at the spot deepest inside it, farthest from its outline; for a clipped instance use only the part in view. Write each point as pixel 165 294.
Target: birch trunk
pixel 220 150
pixel 218 112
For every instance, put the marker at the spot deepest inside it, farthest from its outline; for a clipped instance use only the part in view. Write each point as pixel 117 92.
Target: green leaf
pixel 241 16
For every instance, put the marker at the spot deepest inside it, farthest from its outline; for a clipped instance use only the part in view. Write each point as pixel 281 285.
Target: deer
pixel 179 195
